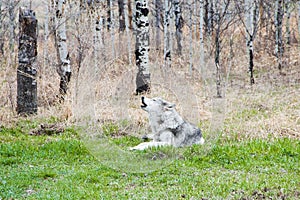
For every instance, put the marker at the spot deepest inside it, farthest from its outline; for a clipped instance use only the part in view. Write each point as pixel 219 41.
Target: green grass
pixel 61 167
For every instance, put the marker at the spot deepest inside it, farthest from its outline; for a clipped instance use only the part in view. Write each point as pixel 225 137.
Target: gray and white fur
pixel 168 127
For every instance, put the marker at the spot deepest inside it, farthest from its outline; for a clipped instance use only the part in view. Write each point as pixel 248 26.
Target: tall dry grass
pixel 103 89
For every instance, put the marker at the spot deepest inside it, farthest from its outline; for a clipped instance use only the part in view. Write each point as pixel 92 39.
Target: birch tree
pixel 201 14
pixel 278 33
pixel 127 27
pixel 299 20
pixel 167 50
pixel 111 27
pixel 63 67
pixel 1 29
pixel 142 46
pixel 178 25
pixel 287 25
pixel 221 23
pixel 251 8
pixel 190 24
pixel 27 70
pixel 158 6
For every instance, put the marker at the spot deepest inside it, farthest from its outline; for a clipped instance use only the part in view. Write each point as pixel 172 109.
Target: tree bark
pixel 287 26
pixel 64 68
pixel 190 24
pixel 218 49
pixel 167 50
pixel 299 20
pixel 121 15
pixel 201 14
pixel 158 6
pixel 1 30
pixel 142 47
pixel 178 25
pixel 127 27
pixel 27 70
pixel 278 26
pixel 12 26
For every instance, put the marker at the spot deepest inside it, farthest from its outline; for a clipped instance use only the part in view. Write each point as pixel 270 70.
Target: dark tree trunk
pixel 205 17
pixel 108 14
pixel 121 15
pixel 178 24
pixel 217 51
pixel 142 47
pixel 278 24
pixel 26 75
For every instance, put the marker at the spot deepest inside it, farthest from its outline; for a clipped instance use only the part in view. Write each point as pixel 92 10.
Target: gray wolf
pixel 168 127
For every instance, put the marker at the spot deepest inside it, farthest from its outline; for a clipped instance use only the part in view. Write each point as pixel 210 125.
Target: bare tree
pixel 299 19
pixel 201 14
pixel 142 46
pixel 121 15
pixel 63 67
pixel 178 25
pixel 167 36
pixel 190 24
pixel 158 10
pixel 1 29
pixel 127 27
pixel 278 34
pixel 287 10
pixel 223 18
pixel 251 9
pixel 27 70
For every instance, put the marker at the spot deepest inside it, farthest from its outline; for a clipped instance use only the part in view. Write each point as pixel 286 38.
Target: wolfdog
pixel 168 127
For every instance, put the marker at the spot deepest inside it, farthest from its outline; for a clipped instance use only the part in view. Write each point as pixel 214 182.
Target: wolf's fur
pixel 168 127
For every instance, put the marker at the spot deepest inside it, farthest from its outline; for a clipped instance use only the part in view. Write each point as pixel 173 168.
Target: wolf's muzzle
pixel 144 105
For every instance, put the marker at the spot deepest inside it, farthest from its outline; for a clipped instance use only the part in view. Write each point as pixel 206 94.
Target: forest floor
pixel 256 155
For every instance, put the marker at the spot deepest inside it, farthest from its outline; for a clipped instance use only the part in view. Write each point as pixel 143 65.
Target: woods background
pixel 246 52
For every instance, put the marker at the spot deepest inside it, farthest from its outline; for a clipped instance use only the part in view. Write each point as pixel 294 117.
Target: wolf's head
pixel 156 105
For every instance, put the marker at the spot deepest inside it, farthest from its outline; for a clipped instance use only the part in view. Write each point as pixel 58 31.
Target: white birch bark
pixel 158 9
pixel 299 20
pixel 64 67
pixel 97 40
pixel 298 5
pixel 167 51
pixel 278 33
pixel 250 8
pixel 127 31
pixel 195 18
pixel 112 27
pixel 248 19
pixel 190 24
pixel 201 14
pixel 1 30
pixel 142 47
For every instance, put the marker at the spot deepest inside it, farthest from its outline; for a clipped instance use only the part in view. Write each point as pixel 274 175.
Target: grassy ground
pixel 56 165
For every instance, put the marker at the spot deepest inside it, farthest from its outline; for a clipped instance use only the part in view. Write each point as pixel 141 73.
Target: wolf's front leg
pixel 146 145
